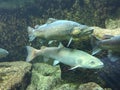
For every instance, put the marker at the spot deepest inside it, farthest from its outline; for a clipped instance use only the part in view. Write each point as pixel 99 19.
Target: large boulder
pixel 47 77
pixel 14 75
pixel 112 23
pixel 100 32
pixel 91 86
pixel 44 77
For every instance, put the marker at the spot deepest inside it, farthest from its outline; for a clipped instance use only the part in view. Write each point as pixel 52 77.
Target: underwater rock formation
pixel 112 24
pixel 47 77
pixel 100 32
pixel 91 86
pixel 14 75
pixel 44 77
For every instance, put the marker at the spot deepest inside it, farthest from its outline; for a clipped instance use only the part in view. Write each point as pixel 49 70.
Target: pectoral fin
pixel 69 42
pixel 55 62
pixel 74 67
pixel 96 50
pixel 52 41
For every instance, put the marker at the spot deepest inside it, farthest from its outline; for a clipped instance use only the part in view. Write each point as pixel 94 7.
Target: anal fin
pixel 74 67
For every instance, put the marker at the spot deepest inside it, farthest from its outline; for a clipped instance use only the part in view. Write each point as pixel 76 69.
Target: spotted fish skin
pixel 58 30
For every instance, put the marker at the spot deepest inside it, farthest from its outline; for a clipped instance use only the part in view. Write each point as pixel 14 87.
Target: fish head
pixel 82 30
pixel 3 53
pixel 92 63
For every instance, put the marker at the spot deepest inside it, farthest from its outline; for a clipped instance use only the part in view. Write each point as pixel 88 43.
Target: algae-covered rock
pixel 44 77
pixel 14 75
pixel 100 32
pixel 112 24
pixel 66 86
pixel 90 86
pixel 47 77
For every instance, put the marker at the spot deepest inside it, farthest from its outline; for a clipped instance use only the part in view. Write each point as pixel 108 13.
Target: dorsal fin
pixel 36 26
pixel 50 20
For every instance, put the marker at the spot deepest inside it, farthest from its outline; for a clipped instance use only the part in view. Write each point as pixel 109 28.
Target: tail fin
pixel 31 33
pixel 31 53
pixel 95 45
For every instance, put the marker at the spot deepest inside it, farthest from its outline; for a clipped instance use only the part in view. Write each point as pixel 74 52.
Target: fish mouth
pixel 99 66
pixel 87 32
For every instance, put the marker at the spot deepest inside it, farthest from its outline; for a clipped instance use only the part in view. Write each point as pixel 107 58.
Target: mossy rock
pixel 14 75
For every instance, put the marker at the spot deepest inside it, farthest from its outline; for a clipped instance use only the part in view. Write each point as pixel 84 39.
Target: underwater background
pixel 17 15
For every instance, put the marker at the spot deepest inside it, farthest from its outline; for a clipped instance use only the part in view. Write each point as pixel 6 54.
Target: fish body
pixel 3 53
pixel 72 57
pixel 112 44
pixel 59 30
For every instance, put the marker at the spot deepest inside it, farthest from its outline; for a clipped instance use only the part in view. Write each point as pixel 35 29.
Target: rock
pixel 44 77
pixel 112 24
pixel 14 75
pixel 90 86
pixel 100 32
pixel 66 86
pixel 47 77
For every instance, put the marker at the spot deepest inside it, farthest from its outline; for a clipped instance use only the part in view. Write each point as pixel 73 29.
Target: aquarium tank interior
pixel 59 44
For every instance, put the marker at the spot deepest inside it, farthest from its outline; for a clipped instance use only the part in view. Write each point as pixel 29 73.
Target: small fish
pixel 72 57
pixel 110 43
pixel 3 53
pixel 59 30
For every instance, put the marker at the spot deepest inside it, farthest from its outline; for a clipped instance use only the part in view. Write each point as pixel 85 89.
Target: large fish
pixel 110 43
pixel 3 53
pixel 72 57
pixel 59 30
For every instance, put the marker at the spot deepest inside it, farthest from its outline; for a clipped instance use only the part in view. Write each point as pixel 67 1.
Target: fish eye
pixel 92 62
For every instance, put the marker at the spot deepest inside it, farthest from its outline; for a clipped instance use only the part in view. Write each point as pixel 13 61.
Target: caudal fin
pixel 31 33
pixel 31 53
pixel 95 45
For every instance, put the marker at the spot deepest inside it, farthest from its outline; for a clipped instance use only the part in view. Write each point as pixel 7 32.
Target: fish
pixel 72 57
pixel 59 30
pixel 3 53
pixel 109 43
